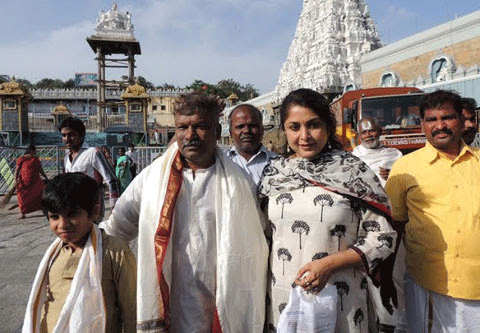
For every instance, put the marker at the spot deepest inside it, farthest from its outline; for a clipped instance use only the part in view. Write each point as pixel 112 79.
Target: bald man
pixel 378 157
pixel 246 129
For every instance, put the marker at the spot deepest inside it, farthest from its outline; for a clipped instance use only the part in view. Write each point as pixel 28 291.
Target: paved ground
pixel 22 245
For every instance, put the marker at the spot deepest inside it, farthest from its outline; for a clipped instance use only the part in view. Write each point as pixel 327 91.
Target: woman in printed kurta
pixel 328 214
pixel 29 183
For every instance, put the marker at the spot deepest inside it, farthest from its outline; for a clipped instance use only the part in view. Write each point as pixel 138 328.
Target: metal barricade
pixel 50 156
pixel 145 155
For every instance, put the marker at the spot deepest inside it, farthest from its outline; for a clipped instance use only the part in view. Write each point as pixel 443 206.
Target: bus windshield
pixel 393 111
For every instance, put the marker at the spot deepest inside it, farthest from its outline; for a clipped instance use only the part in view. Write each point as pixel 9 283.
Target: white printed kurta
pixel 310 223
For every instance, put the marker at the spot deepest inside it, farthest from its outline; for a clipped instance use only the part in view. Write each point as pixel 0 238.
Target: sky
pixel 185 40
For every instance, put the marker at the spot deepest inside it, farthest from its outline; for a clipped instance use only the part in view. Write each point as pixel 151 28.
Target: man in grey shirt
pixel 246 129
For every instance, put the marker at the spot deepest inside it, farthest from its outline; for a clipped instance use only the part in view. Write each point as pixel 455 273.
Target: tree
pixel 224 88
pixel 386 241
pixel 323 200
pixel 47 83
pixel 144 83
pixel 342 289
pixel 24 82
pixel 166 86
pixel 249 91
pixel 358 318
pixel 284 255
pixel 371 225
pixel 229 87
pixel 356 207
pixel 200 86
pixel 243 92
pixel 364 286
pixel 319 255
pixel 282 307
pixel 300 227
pixel 69 84
pixel 283 199
pixel 338 231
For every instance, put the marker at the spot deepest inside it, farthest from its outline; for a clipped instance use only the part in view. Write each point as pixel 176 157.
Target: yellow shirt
pixel 118 285
pixel 440 198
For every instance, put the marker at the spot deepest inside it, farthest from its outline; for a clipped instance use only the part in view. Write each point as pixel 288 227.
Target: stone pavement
pixel 22 246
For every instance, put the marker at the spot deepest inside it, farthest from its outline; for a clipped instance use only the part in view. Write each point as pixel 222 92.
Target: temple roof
pixel 13 88
pixel 114 33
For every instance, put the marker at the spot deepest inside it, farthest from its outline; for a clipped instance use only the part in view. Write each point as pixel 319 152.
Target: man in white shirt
pixel 378 157
pixel 246 129
pixel 202 257
pixel 89 161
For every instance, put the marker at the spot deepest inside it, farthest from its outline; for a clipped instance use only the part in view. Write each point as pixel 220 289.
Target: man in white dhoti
pixel 378 157
pixel 202 257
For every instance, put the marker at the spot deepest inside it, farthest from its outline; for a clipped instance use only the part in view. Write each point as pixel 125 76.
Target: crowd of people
pixel 226 239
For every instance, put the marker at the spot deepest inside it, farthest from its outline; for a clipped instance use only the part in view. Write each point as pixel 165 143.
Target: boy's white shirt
pixel 84 308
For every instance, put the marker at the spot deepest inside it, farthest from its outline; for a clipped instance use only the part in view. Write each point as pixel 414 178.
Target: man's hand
pixel 384 173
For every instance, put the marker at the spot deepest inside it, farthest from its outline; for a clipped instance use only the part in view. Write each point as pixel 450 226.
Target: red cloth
pixel 162 237
pixel 30 186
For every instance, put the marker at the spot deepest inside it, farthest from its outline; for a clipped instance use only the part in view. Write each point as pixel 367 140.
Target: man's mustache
pixel 446 131
pixel 469 130
pixel 246 137
pixel 192 143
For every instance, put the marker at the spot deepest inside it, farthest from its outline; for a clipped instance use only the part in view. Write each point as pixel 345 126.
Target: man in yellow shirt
pixel 435 197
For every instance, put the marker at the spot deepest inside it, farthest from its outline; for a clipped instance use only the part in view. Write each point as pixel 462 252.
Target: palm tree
pixel 323 200
pixel 284 255
pixel 358 318
pixel 371 225
pixel 283 199
pixel 342 289
pixel 282 307
pixel 386 241
pixel 356 208
pixel 338 231
pixel 364 286
pixel 300 227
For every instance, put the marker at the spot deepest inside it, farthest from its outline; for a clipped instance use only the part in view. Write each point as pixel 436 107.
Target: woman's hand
pixel 315 275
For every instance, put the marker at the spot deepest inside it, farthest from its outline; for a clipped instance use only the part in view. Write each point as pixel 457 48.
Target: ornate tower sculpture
pixel 324 55
pixel 113 35
pixel 136 101
pixel 59 113
pixel 14 99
